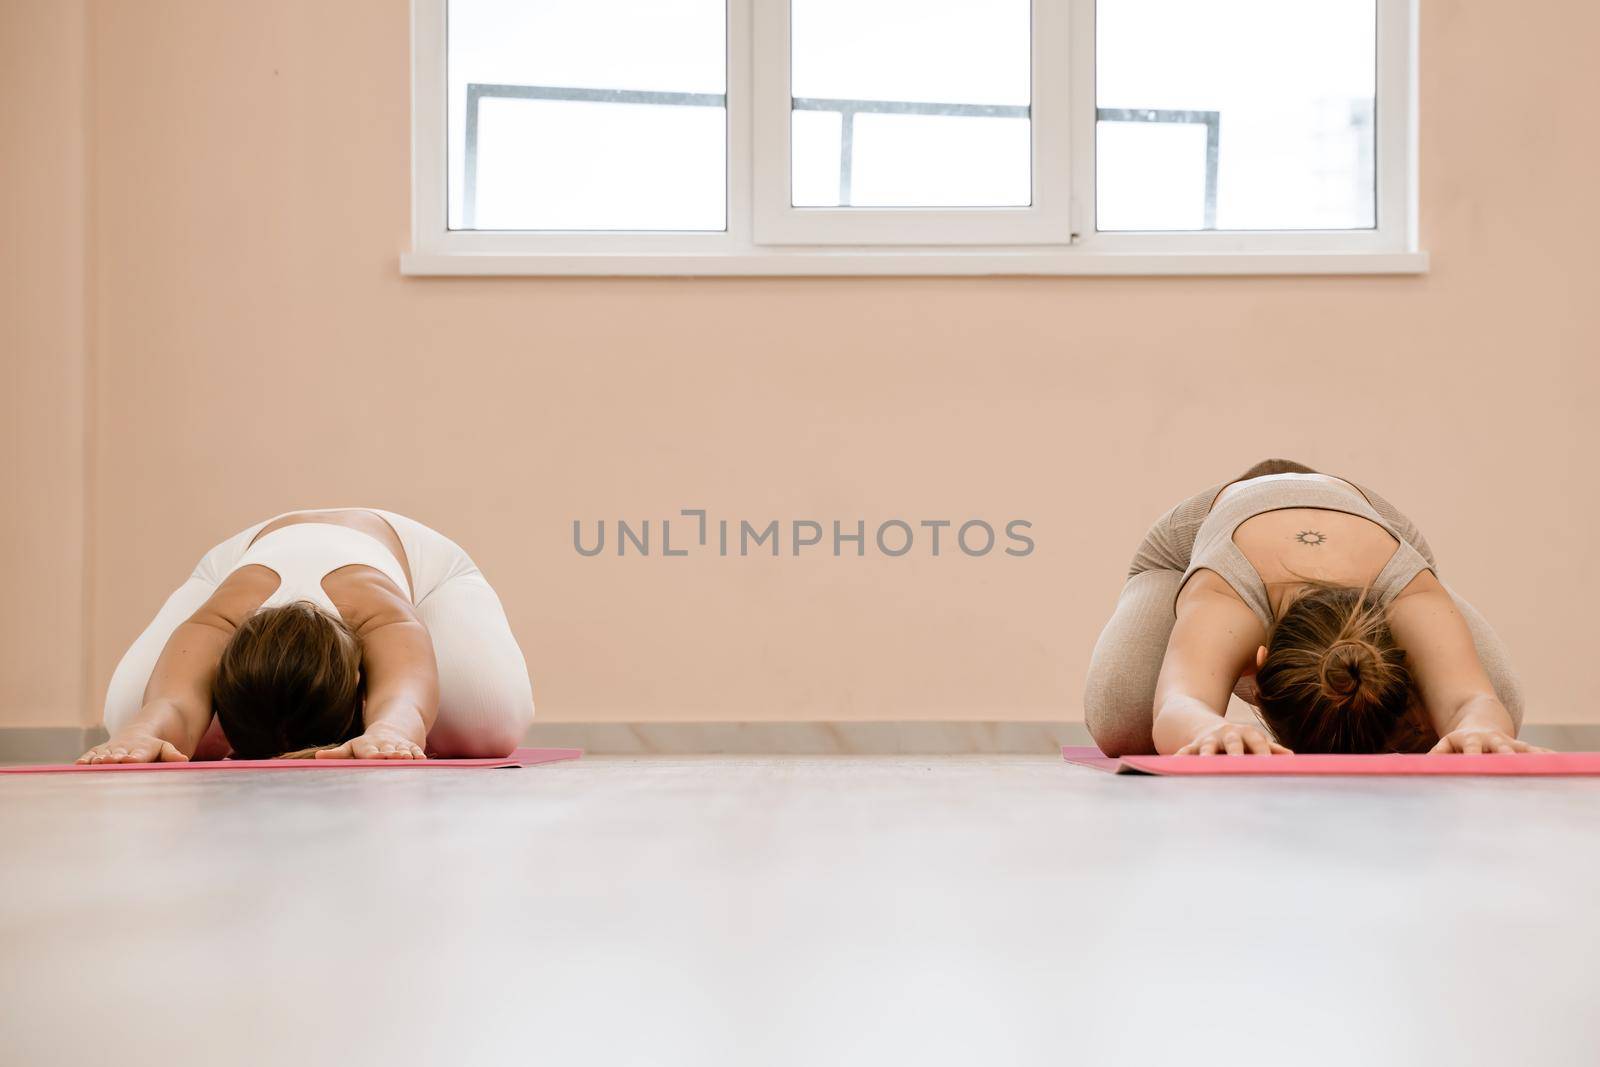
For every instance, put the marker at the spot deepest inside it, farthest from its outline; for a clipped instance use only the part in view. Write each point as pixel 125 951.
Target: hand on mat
pixel 134 749
pixel 379 742
pixel 1233 739
pixel 1473 741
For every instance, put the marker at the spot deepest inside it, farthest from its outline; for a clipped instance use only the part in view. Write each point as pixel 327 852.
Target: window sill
pixel 902 263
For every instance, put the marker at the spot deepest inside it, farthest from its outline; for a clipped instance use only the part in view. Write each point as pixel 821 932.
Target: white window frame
pixel 1047 220
pixel 1053 236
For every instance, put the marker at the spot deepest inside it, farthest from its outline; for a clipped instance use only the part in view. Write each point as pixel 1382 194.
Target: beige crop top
pixel 1214 548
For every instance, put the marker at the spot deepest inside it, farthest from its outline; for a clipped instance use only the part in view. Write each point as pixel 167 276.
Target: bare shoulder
pixel 1208 589
pixel 1420 591
pixel 367 598
pixel 239 594
pixel 1209 610
pixel 1423 611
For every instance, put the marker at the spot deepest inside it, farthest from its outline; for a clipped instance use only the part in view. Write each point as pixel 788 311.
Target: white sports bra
pixel 304 553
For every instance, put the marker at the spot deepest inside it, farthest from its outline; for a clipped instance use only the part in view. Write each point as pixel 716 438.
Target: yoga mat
pixel 1526 765
pixel 522 757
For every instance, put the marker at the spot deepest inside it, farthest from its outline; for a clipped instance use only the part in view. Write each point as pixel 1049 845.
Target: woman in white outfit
pixel 337 633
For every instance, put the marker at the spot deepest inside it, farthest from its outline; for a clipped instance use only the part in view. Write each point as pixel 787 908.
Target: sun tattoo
pixel 1310 537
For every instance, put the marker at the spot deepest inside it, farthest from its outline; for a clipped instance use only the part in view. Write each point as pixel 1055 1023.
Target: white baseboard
pixel 810 738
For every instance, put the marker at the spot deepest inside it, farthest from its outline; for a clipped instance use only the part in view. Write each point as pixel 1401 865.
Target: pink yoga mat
pixel 522 757
pixel 1531 764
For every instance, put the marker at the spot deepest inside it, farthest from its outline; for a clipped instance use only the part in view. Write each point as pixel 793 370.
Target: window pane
pixel 929 98
pixel 815 180
pixel 590 114
pixel 1285 87
pixel 1151 175
pixel 897 157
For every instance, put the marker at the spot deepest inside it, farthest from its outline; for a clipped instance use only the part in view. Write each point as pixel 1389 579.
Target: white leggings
pixel 485 697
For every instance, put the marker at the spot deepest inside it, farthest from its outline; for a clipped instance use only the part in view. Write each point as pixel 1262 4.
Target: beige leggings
pixel 1119 696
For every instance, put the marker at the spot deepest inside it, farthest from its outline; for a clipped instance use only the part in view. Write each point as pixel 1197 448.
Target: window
pixel 1265 117
pixel 944 121
pixel 913 136
pixel 871 124
pixel 587 115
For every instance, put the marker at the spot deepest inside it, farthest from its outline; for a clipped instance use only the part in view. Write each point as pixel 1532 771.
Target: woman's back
pixel 1264 535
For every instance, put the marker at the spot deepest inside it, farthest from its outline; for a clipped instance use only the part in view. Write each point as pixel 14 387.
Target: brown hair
pixel 289 679
pixel 1335 681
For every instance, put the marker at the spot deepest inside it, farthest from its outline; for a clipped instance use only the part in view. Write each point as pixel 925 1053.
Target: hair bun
pixel 1341 666
pixel 1334 678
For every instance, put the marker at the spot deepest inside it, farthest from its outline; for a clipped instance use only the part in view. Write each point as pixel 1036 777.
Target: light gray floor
pixel 853 910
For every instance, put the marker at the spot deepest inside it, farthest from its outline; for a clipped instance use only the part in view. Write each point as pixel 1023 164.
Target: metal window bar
pixel 849 109
pixel 846 109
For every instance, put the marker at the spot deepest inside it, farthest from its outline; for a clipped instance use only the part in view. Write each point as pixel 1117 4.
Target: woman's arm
pixel 176 709
pixel 1456 691
pixel 1213 643
pixel 402 678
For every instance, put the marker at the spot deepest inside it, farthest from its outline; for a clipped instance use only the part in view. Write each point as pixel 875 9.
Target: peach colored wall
pixel 256 350
pixel 42 359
